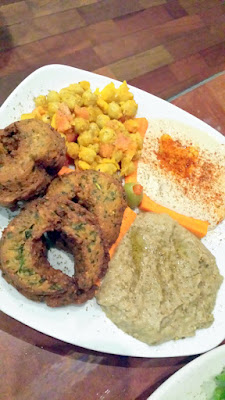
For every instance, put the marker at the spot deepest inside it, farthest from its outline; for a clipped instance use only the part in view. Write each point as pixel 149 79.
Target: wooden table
pixel 38 367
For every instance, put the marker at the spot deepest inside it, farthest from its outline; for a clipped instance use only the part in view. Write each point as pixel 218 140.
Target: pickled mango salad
pixel 99 127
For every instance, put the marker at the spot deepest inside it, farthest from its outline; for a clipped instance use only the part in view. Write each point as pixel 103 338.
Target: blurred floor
pixel 162 46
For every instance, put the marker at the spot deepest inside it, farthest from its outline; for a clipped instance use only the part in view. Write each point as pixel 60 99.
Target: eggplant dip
pixel 162 282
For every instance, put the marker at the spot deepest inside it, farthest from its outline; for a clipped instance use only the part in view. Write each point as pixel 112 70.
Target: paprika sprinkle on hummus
pixel 183 169
pixel 180 160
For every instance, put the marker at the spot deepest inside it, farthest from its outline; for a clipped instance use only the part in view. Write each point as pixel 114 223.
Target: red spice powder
pixel 180 160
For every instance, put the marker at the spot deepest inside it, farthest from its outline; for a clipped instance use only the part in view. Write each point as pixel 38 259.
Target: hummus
pixel 186 172
pixel 162 282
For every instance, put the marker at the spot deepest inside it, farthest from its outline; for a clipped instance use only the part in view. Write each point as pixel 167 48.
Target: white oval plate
pixel 87 325
pixel 195 381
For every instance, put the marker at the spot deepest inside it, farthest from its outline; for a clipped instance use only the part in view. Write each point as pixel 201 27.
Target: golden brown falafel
pixel 31 154
pixel 23 252
pixel 100 193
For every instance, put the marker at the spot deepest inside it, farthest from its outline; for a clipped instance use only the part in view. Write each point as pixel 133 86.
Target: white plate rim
pixel 142 350
pixel 180 375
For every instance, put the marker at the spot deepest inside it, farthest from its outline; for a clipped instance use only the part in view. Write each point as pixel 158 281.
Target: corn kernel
pixel 109 93
pixel 107 168
pixel 86 154
pixel 85 85
pixel 103 105
pixel 83 165
pixel 27 116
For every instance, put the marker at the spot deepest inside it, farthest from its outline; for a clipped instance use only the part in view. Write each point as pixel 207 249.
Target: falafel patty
pixel 31 154
pixel 100 193
pixel 23 252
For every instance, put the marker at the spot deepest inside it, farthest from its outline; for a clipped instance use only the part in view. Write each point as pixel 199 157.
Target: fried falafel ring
pixel 31 154
pixel 23 252
pixel 102 194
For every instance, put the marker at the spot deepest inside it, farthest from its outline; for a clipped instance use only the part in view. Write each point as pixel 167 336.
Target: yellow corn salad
pixel 99 127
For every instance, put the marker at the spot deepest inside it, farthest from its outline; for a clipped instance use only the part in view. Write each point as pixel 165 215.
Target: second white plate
pixel 195 381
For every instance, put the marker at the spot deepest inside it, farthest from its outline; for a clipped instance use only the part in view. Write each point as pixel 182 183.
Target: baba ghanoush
pixel 162 282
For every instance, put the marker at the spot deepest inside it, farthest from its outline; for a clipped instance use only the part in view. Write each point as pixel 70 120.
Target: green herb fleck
pixel 55 286
pixel 27 271
pixel 28 233
pixel 42 280
pixel 21 257
pixel 78 227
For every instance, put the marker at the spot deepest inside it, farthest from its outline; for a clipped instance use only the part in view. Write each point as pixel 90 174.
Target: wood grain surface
pixel 164 46
pixel 161 46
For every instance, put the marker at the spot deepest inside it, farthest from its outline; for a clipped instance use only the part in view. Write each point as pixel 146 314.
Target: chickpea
pixel 107 135
pixel 96 124
pixel 53 107
pixel 95 147
pixel 114 110
pixel 91 114
pixel 117 155
pixel 69 100
pixel 93 111
pixel 93 127
pixel 78 100
pixel 53 96
pixel 127 166
pixel 72 149
pixel 129 108
pixel 80 125
pixel 40 101
pixel 138 140
pixel 76 88
pixel 102 120
pixel 89 98
pixel 85 138
pixel 117 126
pixel 63 92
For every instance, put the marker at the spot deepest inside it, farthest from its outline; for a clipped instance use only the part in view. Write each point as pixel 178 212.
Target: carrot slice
pixel 61 122
pixel 39 110
pixel 122 142
pixel 106 150
pixel 196 226
pixel 128 218
pixel 65 170
pixel 71 136
pixel 142 126
pixel 81 112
